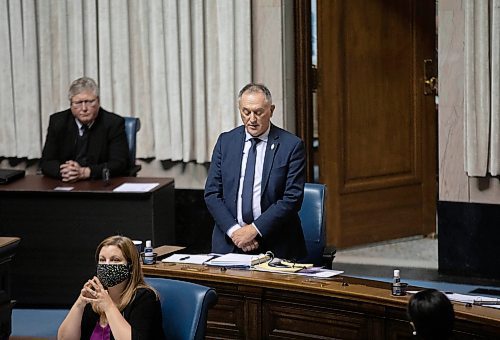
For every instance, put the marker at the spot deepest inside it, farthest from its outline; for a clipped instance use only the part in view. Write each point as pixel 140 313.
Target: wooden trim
pixel 303 80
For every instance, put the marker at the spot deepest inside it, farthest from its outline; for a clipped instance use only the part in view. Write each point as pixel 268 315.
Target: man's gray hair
pixel 82 84
pixel 256 88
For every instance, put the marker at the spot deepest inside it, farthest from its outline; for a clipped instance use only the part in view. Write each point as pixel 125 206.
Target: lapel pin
pixel 272 147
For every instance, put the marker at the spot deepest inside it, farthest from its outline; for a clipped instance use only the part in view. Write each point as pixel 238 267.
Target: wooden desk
pixel 257 305
pixel 60 230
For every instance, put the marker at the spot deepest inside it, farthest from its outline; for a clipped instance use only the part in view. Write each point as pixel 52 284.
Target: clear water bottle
pixel 148 253
pixel 396 284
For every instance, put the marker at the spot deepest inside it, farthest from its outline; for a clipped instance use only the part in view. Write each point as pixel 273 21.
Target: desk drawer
pixel 295 321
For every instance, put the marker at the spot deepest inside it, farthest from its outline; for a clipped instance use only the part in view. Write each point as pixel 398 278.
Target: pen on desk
pixel 184 258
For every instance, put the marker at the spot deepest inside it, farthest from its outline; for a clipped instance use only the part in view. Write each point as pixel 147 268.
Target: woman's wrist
pixel 80 303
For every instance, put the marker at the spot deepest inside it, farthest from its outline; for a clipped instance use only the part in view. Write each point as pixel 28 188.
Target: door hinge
pixel 314 76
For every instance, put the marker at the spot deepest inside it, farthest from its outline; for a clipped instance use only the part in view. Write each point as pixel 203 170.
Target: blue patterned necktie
pixel 247 193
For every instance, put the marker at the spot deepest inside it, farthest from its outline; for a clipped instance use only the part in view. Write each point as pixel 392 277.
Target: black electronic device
pixel 10 175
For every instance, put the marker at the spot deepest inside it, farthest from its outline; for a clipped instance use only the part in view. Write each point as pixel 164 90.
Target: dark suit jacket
pixel 107 144
pixel 281 193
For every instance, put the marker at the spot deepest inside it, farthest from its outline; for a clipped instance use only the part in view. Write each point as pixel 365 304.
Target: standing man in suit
pixel 85 139
pixel 273 159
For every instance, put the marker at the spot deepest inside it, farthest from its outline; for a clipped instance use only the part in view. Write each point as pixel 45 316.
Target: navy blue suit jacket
pixel 282 192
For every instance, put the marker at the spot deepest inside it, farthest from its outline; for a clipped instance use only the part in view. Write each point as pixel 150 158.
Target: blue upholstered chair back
pixel 132 125
pixel 312 217
pixel 184 307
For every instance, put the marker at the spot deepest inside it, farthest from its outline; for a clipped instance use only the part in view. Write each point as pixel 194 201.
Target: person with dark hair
pixel 85 139
pixel 431 315
pixel 116 303
pixel 255 184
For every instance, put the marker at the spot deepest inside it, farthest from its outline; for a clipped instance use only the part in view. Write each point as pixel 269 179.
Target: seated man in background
pixel 85 139
pixel 255 183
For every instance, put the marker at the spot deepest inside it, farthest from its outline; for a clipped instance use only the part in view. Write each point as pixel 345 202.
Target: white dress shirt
pixel 80 125
pixel 259 164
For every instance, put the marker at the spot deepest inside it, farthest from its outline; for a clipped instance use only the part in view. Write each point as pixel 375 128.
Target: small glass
pixel 145 260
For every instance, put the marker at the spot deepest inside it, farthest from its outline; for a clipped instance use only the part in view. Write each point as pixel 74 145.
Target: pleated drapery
pixel 175 64
pixel 19 81
pixel 482 87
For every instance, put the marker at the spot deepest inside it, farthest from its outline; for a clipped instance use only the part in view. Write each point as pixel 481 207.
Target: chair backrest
pixel 184 307
pixel 132 125
pixel 312 217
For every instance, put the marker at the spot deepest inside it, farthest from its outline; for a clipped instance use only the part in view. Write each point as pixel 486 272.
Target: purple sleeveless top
pixel 101 333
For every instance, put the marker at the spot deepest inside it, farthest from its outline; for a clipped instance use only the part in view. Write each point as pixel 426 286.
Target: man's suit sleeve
pixel 214 192
pixel 277 214
pixel 50 161
pixel 117 160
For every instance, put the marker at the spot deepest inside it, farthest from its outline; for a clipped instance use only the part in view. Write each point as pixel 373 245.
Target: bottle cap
pixel 148 244
pixel 396 272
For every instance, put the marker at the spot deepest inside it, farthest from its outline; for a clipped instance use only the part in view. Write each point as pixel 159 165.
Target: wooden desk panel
pixel 60 230
pixel 257 305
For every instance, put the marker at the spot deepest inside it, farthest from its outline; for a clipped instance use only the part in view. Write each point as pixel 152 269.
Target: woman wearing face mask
pixel 117 303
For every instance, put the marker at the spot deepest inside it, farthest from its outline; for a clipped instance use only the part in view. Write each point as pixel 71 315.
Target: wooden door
pixel 377 129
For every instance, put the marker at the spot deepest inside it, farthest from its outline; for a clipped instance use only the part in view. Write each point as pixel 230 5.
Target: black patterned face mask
pixel 112 274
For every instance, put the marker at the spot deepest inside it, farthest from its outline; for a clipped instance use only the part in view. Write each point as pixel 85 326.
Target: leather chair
pixel 132 126
pixel 184 307
pixel 312 217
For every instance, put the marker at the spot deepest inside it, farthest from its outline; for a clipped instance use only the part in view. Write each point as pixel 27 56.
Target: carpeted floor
pixel 414 252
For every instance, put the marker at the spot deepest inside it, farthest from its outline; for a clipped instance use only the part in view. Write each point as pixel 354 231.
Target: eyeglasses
pixel 80 103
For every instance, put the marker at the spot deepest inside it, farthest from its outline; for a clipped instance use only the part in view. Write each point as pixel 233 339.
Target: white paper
pixel 64 188
pixel 482 300
pixel 323 273
pixel 187 258
pixel 313 272
pixel 232 259
pixel 492 306
pixel 472 299
pixel 136 187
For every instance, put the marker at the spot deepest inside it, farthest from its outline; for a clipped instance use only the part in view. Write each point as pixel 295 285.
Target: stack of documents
pixel 284 267
pixel 474 300
pixel 281 266
pixel 238 260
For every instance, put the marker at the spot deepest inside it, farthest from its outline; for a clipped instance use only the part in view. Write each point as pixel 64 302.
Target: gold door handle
pixel 431 85
pixel 430 81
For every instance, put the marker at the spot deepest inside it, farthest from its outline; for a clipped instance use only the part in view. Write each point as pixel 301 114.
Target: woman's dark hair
pixel 432 314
